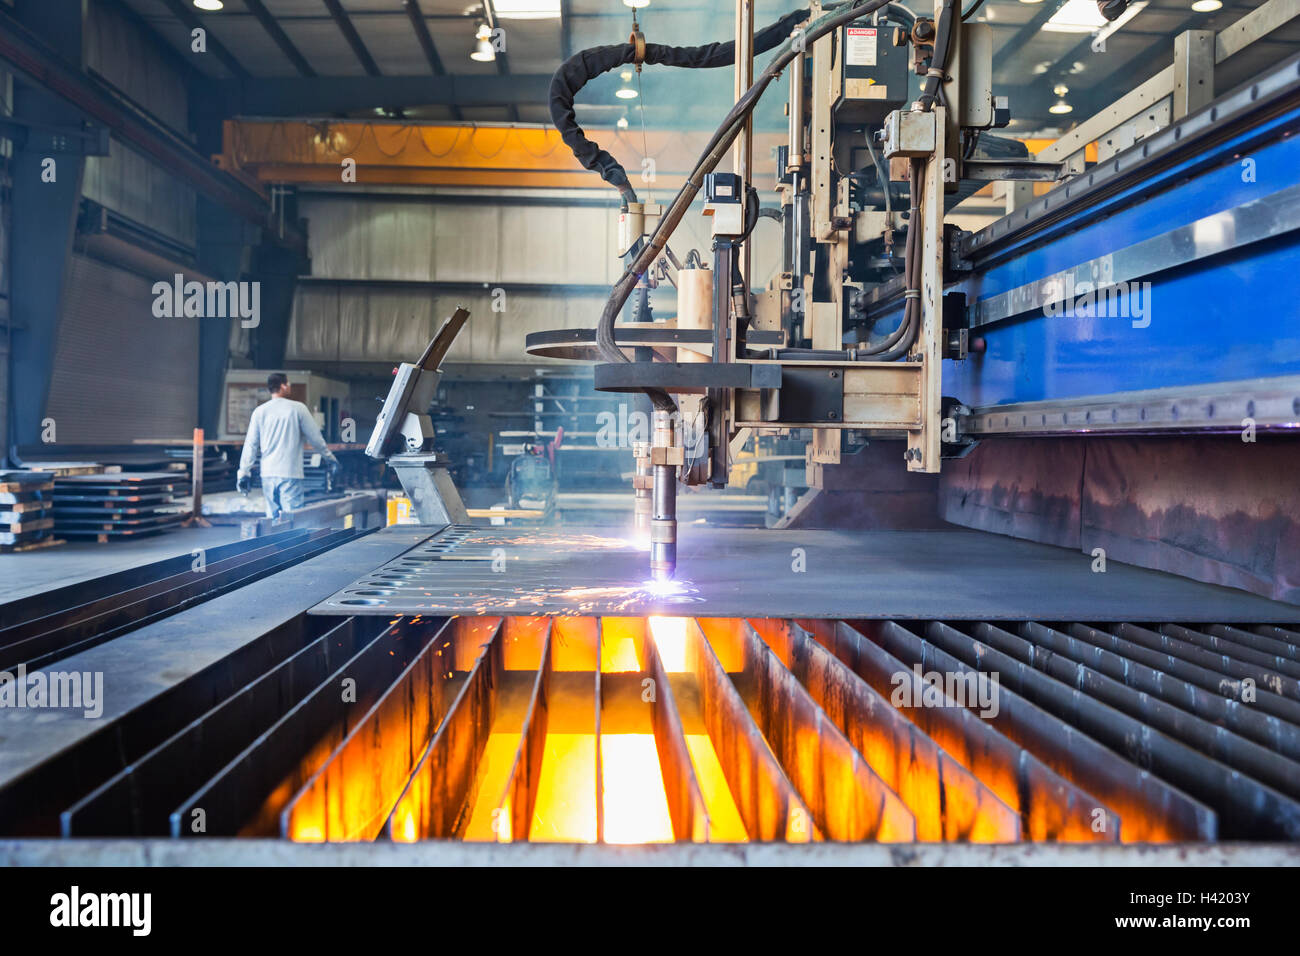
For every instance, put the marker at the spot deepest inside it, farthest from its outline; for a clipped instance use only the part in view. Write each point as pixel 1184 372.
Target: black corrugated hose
pixel 581 68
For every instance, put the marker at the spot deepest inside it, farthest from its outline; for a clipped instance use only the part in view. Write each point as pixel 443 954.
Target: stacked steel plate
pixel 26 515
pixel 117 505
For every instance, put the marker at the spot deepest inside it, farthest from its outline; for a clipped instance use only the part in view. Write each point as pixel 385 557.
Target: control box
pixel 874 73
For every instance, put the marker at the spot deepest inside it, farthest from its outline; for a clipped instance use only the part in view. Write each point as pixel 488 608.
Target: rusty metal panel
pixel 947 800
pixel 1217 509
pixel 434 804
pixel 685 801
pixel 1051 808
pixel 1222 710
pixel 768 803
pixel 847 798
pixel 1026 488
pixel 351 794
pixel 1150 809
pixel 1245 808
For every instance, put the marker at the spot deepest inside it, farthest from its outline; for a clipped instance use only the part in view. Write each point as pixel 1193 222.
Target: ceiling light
pixel 1076 16
pixel 209 4
pixel 526 9
pixel 625 93
pixel 622 122
pixel 1060 89
pixel 1060 107
pixel 1043 67
pixel 636 4
pixel 1031 1
pixel 1207 6
pixel 484 52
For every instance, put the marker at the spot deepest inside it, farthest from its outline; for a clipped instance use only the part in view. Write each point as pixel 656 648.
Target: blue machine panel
pixel 1228 317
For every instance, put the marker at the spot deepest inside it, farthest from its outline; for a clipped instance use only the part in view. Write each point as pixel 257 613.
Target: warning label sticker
pixel 860 46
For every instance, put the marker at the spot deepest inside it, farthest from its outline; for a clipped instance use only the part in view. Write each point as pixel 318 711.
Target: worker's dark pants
pixel 283 495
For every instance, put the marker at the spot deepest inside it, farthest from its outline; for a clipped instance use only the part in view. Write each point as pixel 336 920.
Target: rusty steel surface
pixel 1051 807
pixel 1217 509
pixel 947 800
pixel 350 795
pixel 735 572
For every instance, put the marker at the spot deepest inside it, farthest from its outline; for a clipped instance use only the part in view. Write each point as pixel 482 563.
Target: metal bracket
pixel 685 377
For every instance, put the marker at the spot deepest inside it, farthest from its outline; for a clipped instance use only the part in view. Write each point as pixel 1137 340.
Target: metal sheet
pixel 947 801
pixel 729 572
pixel 1149 809
pixel 351 795
pixel 847 798
pixel 1050 806
pixel 436 798
pixel 1245 810
pixel 769 805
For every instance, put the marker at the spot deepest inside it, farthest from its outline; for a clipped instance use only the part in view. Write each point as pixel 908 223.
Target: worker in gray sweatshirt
pixel 278 431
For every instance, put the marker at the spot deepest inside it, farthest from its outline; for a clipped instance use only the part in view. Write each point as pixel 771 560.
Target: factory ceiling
pixel 411 58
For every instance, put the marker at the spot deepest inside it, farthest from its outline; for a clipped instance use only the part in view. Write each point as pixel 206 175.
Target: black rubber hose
pixel 578 70
pixel 934 75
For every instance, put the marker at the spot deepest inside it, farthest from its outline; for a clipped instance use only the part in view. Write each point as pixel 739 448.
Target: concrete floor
pixel 31 572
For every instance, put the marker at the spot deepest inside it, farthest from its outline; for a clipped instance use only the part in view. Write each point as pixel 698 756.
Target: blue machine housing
pixel 1230 316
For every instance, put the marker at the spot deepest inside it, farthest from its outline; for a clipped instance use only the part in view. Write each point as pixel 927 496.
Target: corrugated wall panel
pixel 375 240
pixel 124 181
pixel 347 323
pixel 120 373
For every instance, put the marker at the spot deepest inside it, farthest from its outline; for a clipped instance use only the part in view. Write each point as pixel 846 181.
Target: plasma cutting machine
pixel 884 320
pixel 1121 349
pixel 863 166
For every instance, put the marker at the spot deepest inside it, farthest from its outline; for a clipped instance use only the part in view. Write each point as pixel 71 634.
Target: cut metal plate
pixel 736 572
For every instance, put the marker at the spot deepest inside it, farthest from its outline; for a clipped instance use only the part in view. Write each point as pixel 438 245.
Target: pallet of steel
pixel 118 505
pixel 26 518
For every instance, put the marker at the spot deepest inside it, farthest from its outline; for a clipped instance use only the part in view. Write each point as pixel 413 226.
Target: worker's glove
pixel 333 469
pixel 244 483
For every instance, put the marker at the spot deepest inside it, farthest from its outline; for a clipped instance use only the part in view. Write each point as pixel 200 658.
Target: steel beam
pixel 45 198
pixel 421 28
pixel 281 39
pixel 344 23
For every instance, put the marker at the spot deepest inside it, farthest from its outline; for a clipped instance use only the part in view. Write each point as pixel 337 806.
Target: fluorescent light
pixel 526 9
pixel 1207 6
pixel 1076 16
pixel 209 4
